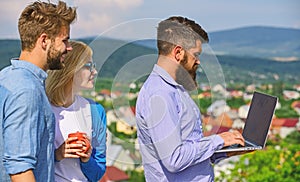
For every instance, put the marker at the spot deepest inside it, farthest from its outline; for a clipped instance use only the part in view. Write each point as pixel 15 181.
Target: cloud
pixel 95 17
pixel 122 4
pixel 10 12
pixel 296 25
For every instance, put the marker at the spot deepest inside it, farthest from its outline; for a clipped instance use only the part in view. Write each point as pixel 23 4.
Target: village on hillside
pixel 122 146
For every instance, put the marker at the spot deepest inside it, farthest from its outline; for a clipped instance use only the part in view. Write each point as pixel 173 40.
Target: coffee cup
pixel 80 137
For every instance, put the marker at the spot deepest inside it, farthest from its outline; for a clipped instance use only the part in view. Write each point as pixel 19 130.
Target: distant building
pixel 218 107
pixel 243 111
pixel 114 174
pixel 117 156
pixel 288 94
pixel 296 106
pixel 125 127
pixel 284 126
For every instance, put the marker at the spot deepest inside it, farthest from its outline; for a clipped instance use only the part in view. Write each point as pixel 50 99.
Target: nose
pixel 69 47
pixel 94 71
pixel 197 60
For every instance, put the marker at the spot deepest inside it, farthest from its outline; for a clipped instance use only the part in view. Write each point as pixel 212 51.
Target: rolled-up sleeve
pixel 20 131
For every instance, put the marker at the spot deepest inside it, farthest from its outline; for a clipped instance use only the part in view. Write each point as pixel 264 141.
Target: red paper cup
pixel 80 137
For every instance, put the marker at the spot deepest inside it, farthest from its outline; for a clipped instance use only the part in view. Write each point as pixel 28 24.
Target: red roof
pixel 290 122
pixel 105 92
pixel 296 104
pixel 287 122
pixel 277 122
pixel 133 109
pixel 114 174
pixel 219 129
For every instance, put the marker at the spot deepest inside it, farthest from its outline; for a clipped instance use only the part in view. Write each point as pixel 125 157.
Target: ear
pixel 178 53
pixel 44 41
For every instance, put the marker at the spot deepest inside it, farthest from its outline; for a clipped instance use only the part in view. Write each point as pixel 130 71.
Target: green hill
pixel 112 56
pixel 258 41
pixel 8 49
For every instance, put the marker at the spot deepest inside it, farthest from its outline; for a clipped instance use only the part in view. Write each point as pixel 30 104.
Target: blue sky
pixel 98 16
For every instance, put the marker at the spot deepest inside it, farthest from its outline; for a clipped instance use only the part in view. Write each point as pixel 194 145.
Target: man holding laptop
pixel 257 124
pixel 170 135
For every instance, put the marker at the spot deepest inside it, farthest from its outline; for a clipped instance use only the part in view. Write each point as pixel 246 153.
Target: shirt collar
pixel 38 72
pixel 165 75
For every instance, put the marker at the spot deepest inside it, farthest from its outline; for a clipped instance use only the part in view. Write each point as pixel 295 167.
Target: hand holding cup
pixel 82 137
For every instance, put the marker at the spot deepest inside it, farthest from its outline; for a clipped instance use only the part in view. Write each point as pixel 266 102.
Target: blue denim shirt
pixel 27 122
pixel 170 135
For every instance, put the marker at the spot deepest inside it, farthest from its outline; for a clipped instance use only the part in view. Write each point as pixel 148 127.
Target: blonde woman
pixel 75 113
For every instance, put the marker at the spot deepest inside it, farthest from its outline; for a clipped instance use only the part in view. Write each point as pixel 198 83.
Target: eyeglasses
pixel 91 66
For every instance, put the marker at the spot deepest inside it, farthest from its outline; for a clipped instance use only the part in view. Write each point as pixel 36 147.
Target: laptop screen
pixel 259 118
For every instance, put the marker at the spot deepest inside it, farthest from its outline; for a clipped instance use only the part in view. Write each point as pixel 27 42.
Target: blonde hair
pixel 60 80
pixel 42 17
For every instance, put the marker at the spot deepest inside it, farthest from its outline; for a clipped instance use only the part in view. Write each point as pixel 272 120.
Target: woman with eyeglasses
pixel 74 113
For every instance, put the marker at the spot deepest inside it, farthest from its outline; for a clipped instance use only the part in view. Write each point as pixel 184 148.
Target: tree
pixel 278 162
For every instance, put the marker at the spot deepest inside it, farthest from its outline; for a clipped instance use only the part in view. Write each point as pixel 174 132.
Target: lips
pixel 92 80
pixel 62 58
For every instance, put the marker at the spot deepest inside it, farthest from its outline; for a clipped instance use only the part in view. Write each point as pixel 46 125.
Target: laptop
pixel 257 124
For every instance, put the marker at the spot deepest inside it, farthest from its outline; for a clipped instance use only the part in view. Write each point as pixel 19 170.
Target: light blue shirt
pixel 27 122
pixel 170 134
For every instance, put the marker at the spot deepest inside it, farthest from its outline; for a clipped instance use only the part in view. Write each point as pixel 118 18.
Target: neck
pixel 69 97
pixel 34 58
pixel 168 64
pixel 177 72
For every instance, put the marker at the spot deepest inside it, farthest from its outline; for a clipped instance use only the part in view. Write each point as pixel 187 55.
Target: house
pixel 225 120
pixel 216 125
pixel 297 87
pixel 243 111
pixel 111 117
pixel 247 96
pixel 117 156
pixel 124 119
pixel 105 92
pixel 204 87
pixel 114 174
pixel 126 114
pixel 219 129
pixel 124 127
pixel 238 124
pixel 284 126
pixel 233 114
pixel 250 88
pixel 236 93
pixel 218 107
pixel 296 106
pixel 220 89
pixel 289 94
pixel 204 95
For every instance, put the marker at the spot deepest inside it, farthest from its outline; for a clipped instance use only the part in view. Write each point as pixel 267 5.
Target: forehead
pixel 197 48
pixel 64 32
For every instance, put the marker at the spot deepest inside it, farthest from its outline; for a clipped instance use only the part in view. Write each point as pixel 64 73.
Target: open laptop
pixel 257 124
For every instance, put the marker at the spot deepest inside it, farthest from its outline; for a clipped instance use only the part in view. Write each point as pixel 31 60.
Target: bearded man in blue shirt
pixel 170 135
pixel 26 118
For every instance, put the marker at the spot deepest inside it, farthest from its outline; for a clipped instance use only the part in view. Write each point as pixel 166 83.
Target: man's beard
pixel 192 71
pixel 53 58
pixel 186 76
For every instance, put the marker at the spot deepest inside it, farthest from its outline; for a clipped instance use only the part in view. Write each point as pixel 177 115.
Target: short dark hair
pixel 177 30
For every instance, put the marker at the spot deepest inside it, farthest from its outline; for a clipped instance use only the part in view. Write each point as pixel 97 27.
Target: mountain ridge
pixel 239 58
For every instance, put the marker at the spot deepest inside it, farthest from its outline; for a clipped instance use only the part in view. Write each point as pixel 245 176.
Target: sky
pixel 134 17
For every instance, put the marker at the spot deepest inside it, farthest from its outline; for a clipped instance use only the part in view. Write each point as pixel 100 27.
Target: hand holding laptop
pixel 256 127
pixel 231 138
